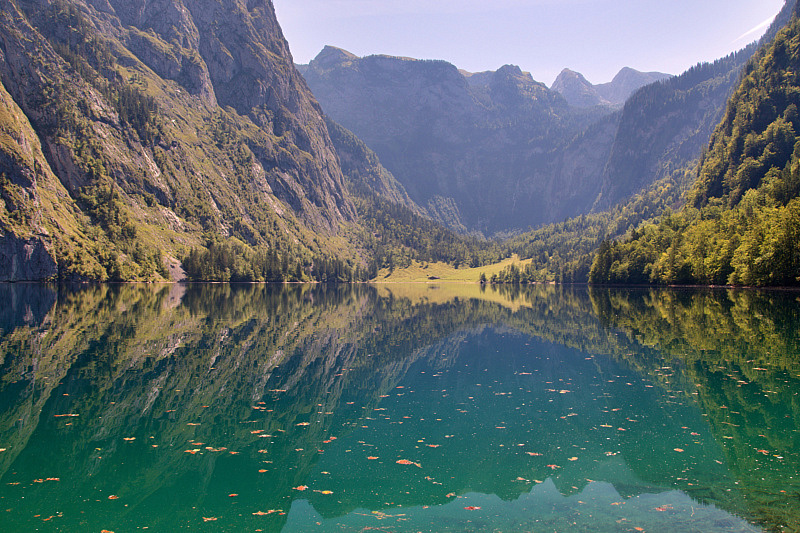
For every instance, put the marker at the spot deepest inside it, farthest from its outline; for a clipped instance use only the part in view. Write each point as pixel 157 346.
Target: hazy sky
pixel 594 37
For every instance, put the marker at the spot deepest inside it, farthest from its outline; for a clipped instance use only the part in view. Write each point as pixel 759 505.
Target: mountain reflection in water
pixel 407 408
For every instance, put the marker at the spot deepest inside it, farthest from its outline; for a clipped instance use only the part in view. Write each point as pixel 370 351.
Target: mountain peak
pixel 576 89
pixel 626 82
pixel 331 55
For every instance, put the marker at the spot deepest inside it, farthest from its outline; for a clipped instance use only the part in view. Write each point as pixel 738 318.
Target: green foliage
pixel 742 226
pixel 665 125
pixel 393 236
pixel 758 131
pixel 75 40
pixel 230 260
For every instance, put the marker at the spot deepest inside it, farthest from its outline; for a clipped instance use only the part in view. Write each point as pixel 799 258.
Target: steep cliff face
pixel 536 155
pixel 160 122
pixel 476 151
pixel 577 90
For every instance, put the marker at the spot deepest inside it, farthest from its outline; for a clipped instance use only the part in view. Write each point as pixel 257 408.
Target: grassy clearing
pixel 442 272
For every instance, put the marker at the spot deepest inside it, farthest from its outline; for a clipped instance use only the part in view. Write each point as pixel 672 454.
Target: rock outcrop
pixel 135 128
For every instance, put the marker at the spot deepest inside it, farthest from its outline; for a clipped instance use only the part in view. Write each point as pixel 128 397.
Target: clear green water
pixel 302 408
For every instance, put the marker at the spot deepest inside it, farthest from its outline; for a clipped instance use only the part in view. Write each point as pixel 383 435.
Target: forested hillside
pixel 741 225
pixel 150 142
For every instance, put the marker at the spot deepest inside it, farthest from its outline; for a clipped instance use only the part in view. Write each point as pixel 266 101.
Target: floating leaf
pixel 209 518
pixel 407 462
pixel 572 459
pixel 371 457
pixel 232 495
pixel 679 450
pixel 128 438
pixel 472 508
pixel 304 424
pixel 113 497
pixel 192 451
pixel 301 487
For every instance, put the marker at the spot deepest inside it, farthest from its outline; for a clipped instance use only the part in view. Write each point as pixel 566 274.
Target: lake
pixel 400 408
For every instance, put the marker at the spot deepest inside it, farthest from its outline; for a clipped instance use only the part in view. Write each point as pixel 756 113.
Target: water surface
pixel 398 408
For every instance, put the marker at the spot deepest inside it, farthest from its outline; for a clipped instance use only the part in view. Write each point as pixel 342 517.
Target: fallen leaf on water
pixel 407 462
pixel 261 471
pixel 232 495
pixel 301 487
pixel 3 449
pixel 679 450
pixel 192 424
pixel 450 495
pixel 304 424
pixel 67 415
pixel 371 457
pixel 257 431
pixel 192 451
pixel 433 445
pixel 765 452
pixel 553 466
pixel 105 531
pixel 572 459
pixel 639 528
pixel 664 508
pixel 113 497
pixel 209 518
pixel 262 513
pixel 534 454
pixel 472 508
pixel 128 438
pixel 324 491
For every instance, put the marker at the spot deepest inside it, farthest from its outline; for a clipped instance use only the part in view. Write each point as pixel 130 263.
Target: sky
pixel 594 37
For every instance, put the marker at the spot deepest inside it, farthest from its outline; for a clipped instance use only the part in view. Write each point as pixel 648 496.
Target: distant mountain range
pixel 579 92
pixel 496 152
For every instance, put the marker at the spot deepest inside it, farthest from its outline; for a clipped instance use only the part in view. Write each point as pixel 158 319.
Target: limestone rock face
pixel 577 90
pixel 479 152
pixel 25 259
pixel 175 119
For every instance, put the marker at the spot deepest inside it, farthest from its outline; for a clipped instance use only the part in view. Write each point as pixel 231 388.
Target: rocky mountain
pixel 536 155
pixel 625 83
pixel 577 90
pixel 130 129
pixel 476 151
